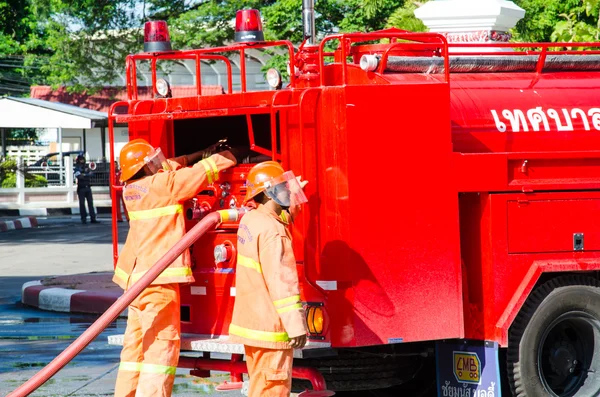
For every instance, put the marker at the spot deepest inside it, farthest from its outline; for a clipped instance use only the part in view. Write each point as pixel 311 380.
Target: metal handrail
pixel 424 40
pixel 204 53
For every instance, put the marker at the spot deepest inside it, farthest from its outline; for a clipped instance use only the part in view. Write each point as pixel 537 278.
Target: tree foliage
pixel 87 40
pixel 83 43
pixel 19 34
pixel 557 20
pixel 8 175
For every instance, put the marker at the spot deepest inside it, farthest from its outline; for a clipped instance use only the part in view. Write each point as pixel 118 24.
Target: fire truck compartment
pixel 553 225
pixel 195 134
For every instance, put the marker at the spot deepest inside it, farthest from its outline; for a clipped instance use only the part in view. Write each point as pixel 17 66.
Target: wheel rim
pixel 566 352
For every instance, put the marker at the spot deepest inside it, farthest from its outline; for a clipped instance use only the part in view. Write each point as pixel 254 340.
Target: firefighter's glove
pixel 301 182
pixel 218 147
pixel 241 154
pixel 298 342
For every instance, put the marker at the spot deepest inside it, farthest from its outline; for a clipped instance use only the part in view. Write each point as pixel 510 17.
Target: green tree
pixel 8 176
pixel 555 20
pixel 404 18
pixel 207 24
pixel 18 35
pixel 86 41
pixel 578 26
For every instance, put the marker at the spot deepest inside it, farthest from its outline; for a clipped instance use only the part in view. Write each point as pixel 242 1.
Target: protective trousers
pixel 151 344
pixel 270 371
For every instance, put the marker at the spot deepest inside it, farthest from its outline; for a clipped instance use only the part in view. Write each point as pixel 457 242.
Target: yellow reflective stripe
pixel 207 170
pixel 258 335
pixel 156 212
pixel 169 272
pixel 214 168
pixel 289 308
pixel 249 263
pixel 157 369
pixel 287 301
pixel 283 217
pixel 121 274
pixel 130 366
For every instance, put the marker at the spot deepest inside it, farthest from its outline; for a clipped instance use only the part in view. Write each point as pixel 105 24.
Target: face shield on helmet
pixel 285 190
pixel 156 160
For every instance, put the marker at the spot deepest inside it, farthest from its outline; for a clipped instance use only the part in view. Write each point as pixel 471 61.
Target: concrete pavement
pixel 82 248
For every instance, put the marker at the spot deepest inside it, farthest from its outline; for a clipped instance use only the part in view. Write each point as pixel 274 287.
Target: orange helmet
pixel 259 174
pixel 133 157
pixel 279 185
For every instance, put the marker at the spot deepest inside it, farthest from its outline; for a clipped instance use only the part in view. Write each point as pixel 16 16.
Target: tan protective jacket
pixel 157 219
pixel 267 311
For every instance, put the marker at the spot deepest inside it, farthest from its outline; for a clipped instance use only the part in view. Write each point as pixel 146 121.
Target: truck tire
pixel 554 342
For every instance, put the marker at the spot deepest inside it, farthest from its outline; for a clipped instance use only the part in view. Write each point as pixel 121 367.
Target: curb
pixel 21 223
pixel 50 211
pixel 57 299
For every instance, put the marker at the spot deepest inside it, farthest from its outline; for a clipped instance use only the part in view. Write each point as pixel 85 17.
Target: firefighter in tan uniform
pixel 154 191
pixel 268 316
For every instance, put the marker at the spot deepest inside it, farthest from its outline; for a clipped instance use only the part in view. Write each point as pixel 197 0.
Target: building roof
pixel 37 113
pixel 102 100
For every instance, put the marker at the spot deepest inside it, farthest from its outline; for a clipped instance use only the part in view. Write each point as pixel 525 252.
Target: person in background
pixel 83 175
pixel 268 316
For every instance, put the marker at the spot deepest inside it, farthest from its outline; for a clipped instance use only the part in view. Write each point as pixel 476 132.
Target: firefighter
pixel 83 175
pixel 154 191
pixel 268 316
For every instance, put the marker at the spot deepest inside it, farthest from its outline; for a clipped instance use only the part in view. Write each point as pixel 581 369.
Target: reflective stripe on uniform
pixel 121 274
pixel 207 171
pixel 249 263
pixel 129 366
pixel 214 167
pixel 287 301
pixel 156 212
pixel 169 272
pixel 289 308
pixel 212 173
pixel 147 368
pixel 158 369
pixel 283 217
pixel 258 335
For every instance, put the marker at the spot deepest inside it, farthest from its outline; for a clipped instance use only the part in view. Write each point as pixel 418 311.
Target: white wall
pixel 121 138
pixel 93 140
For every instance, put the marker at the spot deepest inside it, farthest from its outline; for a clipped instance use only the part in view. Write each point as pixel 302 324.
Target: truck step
pixel 220 344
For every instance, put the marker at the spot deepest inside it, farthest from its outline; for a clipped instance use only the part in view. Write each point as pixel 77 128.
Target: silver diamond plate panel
pixel 204 343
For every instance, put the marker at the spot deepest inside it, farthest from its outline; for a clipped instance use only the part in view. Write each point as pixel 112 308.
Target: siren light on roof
pixel 156 36
pixel 248 26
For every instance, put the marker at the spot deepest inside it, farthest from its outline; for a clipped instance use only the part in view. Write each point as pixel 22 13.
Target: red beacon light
pixel 248 26
pixel 156 36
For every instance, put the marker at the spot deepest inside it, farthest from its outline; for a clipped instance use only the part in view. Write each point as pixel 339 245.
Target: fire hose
pixel 120 304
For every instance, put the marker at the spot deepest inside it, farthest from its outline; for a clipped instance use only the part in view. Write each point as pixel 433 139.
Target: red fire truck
pixel 451 239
